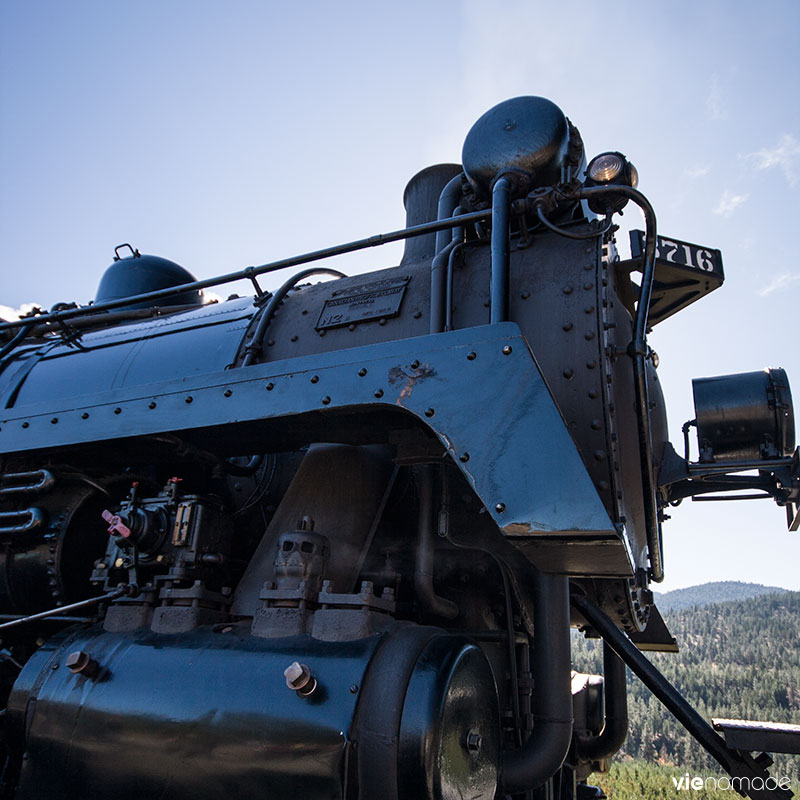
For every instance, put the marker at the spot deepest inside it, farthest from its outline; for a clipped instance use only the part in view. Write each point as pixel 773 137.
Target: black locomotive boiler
pixel 328 541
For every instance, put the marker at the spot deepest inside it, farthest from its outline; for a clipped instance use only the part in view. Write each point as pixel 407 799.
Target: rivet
pixel 54 420
pixel 315 379
pixel 152 404
pixel 567 326
pixel 326 400
pixel 227 393
pixel 354 689
pixel 592 393
pixel 362 372
pixel 471 355
pixel 429 412
pixel 588 285
pixel 270 342
pixel 351 327
pixel 463 458
pixel 382 321
pixel 588 309
pixel 588 267
pixel 507 350
pixel 589 335
pixel 417 314
pixel 322 332
pixel 294 338
pixel 500 507
pixel 270 387
pixel 567 289
pixel 525 294
pixel 414 364
pixel 379 393
pixel 85 415
pixel 486 304
pixel 596 424
pixel 189 399
pixel 26 424
pixel 602 485
pixel 568 374
pixel 304 311
pixel 591 364
pixel 117 410
pixel 600 455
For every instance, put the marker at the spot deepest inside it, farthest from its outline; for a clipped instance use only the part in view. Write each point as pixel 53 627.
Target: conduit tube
pixel 546 748
pixel 423 566
pixel 501 210
pixel 612 737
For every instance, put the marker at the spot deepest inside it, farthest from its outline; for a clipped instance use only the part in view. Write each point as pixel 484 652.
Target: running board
pixel 750 736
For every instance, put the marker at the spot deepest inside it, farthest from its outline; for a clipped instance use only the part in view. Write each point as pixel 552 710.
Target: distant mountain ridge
pixel 714 592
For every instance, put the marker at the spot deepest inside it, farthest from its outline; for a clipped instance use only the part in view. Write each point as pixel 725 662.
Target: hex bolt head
pixel 299 679
pixel 474 741
pixel 81 663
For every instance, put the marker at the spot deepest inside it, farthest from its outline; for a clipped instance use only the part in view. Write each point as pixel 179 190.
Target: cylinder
pixel 744 417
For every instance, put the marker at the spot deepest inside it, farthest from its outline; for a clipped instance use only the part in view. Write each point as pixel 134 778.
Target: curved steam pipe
pixel 546 748
pixel 423 565
pixel 253 350
pixel 638 352
pixel 448 200
pixel 612 737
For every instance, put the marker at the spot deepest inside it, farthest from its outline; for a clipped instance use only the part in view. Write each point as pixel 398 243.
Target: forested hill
pixel 737 659
pixel 716 592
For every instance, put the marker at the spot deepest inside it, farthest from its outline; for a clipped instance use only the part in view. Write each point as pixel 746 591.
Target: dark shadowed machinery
pixel 329 541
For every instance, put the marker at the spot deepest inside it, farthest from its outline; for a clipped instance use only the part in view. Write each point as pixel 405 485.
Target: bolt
pixel 152 405
pixel 378 393
pixel 25 424
pixel 474 741
pixel 326 400
pixel 85 415
pixel 81 663
pixel 429 412
pixel 507 350
pixel 362 372
pixel 463 458
pixel 54 420
pixel 117 410
pixel 354 689
pixel 500 508
pixel 227 393
pixel 472 355
pixel 270 387
pixel 299 679
pixel 414 364
pixel 315 379
pixel 189 399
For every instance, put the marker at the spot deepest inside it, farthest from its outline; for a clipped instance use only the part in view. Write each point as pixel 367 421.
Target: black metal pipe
pixel 546 748
pixel 638 352
pixel 273 266
pixel 124 589
pixel 612 737
pixel 9 346
pixel 664 691
pixel 423 564
pixel 448 200
pixel 440 279
pixel 501 210
pixel 256 345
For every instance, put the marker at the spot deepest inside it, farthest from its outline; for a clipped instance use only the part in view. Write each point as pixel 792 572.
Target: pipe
pixel 253 350
pixel 612 737
pixel 546 748
pixel 440 277
pixel 637 349
pixel 249 272
pixel 664 691
pixel 501 208
pixel 423 566
pixel 448 200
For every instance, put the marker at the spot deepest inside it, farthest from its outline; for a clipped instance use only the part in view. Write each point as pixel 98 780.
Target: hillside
pixel 738 659
pixel 716 592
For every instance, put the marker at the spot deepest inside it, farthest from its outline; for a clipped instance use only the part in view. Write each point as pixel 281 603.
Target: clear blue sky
pixel 226 134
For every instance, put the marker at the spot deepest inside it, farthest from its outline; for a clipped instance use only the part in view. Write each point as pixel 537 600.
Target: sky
pixel 221 135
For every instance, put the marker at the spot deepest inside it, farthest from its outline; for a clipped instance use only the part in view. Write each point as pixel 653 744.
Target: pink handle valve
pixel 116 527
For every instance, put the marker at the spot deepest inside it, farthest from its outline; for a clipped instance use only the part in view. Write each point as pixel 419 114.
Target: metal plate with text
pixel 367 301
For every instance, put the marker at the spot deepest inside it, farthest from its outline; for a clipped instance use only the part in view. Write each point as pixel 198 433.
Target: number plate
pixel 366 301
pixel 682 254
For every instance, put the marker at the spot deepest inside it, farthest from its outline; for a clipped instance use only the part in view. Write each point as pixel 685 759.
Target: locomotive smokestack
pixel 421 201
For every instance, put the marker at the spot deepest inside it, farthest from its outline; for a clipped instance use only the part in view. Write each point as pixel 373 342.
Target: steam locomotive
pixel 329 541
